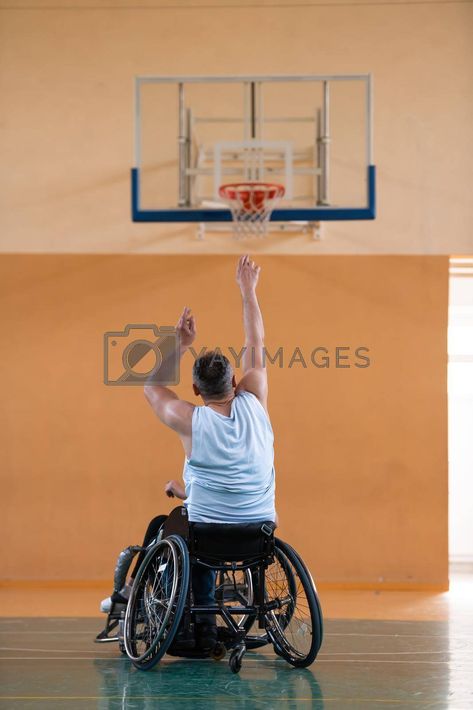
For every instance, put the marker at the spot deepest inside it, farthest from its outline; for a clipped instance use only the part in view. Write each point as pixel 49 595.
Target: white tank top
pixel 229 477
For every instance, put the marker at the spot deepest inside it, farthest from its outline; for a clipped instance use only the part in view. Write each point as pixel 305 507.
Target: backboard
pixel 312 134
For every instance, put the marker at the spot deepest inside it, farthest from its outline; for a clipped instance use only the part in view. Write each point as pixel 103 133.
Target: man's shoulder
pixel 180 413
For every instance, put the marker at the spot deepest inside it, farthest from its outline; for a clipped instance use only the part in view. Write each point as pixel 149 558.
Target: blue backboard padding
pixel 309 214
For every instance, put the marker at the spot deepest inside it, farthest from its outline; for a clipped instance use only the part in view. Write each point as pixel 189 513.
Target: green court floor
pixel 53 663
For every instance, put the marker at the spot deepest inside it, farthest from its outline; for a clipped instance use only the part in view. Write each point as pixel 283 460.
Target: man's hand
pixel 247 274
pixel 174 489
pixel 186 329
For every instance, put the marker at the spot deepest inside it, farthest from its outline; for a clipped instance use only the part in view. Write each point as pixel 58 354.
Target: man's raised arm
pixel 254 379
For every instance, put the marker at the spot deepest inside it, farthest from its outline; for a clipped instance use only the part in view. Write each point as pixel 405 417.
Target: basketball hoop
pixel 251 205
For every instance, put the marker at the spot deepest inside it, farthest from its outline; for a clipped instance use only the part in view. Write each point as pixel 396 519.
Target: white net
pixel 251 205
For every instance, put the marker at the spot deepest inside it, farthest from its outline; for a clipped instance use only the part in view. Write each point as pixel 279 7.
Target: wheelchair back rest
pixel 222 542
pixel 229 542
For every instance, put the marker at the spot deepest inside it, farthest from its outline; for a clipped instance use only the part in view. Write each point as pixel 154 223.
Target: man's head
pixel 213 376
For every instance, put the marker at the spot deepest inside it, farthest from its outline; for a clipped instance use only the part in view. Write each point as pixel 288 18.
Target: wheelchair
pixel 264 594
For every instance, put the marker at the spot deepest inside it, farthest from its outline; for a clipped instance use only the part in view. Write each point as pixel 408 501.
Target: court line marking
pixel 319 661
pixel 405 636
pixel 380 653
pixel 57 658
pixel 44 650
pixel 326 635
pixel 92 633
pixel 320 656
pixel 217 697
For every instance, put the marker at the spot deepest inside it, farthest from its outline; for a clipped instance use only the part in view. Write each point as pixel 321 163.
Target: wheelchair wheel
pixel 156 602
pixel 295 625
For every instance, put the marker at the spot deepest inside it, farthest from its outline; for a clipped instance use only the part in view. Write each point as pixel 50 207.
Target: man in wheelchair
pixel 229 481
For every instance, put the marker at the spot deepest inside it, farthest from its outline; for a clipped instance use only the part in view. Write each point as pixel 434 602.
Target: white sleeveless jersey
pixel 229 477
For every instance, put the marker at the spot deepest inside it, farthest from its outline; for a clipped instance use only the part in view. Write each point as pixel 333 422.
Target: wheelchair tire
pixel 297 633
pixel 156 602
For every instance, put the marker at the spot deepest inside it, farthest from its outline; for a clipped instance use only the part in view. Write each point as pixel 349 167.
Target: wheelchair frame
pixel 182 538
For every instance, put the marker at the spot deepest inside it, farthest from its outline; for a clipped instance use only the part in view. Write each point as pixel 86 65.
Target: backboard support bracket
pixel 313 229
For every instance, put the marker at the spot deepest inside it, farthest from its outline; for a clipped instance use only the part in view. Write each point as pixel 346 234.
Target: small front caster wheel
pixel 236 659
pixel 235 663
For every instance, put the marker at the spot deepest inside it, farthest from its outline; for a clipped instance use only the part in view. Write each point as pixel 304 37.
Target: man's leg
pixel 122 589
pixel 153 529
pixel 203 587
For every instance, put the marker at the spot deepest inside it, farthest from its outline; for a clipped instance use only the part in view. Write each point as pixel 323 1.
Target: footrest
pixel 103 637
pixel 106 636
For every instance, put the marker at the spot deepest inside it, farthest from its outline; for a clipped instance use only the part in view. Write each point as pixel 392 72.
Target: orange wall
pixel 361 453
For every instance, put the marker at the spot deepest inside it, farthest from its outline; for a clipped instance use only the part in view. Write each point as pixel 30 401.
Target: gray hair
pixel 213 374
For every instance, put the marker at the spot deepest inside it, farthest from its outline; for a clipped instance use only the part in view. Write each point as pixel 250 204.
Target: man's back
pixel 229 476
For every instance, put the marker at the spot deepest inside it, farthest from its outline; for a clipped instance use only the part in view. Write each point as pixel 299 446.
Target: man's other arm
pixel 172 411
